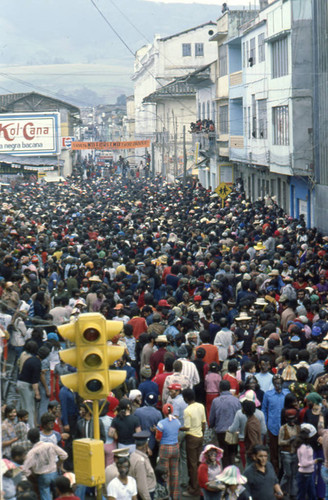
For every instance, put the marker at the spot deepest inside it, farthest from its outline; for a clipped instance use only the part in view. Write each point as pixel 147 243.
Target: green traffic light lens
pixel 93 360
pixel 94 385
pixel 91 334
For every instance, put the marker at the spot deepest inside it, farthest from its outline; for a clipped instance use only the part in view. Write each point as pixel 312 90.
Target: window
pixel 280 58
pixel 249 121
pixel 245 120
pixel 208 111
pixel 223 117
pixel 280 125
pixel 247 54
pixel 186 49
pixel 223 60
pixel 199 49
pixel 262 118
pixel 203 111
pixel 253 116
pixel 199 111
pixel 261 47
pixel 252 52
pixel 244 54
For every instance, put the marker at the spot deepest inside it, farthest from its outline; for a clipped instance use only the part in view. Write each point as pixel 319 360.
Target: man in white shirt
pixel 123 487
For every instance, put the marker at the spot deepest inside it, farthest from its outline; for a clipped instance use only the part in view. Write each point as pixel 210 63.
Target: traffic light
pixel 92 356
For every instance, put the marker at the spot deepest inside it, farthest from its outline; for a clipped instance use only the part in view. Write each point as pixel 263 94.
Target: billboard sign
pixel 31 134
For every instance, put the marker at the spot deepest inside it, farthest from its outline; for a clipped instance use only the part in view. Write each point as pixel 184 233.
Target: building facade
pixel 161 63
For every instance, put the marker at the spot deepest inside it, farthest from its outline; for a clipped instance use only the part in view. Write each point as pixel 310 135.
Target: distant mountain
pixel 75 52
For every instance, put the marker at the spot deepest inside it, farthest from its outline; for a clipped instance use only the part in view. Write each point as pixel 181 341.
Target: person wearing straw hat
pixel 233 482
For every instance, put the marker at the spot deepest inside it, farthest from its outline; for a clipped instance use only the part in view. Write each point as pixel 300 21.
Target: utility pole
pixel 184 157
pixel 175 147
pixel 163 167
pixel 153 159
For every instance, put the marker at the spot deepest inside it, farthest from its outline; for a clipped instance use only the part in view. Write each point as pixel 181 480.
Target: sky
pixel 68 48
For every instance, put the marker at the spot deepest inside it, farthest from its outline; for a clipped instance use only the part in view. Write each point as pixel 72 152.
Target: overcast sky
pixel 65 48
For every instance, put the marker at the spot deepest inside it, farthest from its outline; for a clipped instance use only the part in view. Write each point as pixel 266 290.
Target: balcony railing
pixel 236 78
pixel 237 141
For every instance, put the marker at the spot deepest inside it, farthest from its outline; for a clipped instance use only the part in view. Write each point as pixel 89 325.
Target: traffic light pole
pixel 96 435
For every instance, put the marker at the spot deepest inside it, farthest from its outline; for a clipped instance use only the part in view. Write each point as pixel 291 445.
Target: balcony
pixel 237 141
pixel 237 150
pixel 236 78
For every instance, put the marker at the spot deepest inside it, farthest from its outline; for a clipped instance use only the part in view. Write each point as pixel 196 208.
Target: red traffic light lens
pixel 93 360
pixel 94 385
pixel 91 334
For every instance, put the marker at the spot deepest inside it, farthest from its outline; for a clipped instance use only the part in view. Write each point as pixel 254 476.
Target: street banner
pixel 110 145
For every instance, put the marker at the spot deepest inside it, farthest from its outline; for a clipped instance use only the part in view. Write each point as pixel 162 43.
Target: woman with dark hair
pixel 251 383
pixel 290 403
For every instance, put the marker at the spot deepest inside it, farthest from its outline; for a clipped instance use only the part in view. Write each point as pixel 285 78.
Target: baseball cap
pixel 175 387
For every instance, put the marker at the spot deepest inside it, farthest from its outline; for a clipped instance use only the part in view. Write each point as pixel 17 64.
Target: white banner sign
pixel 32 134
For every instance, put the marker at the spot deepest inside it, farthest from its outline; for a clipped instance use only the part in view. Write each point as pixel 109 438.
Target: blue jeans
pixel 289 466
pixel 324 475
pixel 44 483
pixel 305 486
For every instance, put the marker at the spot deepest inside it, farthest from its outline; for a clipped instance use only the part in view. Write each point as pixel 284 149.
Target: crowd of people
pixel 225 333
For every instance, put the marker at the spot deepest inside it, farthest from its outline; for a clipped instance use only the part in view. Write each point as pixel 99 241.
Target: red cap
pixel 163 303
pixel 198 297
pixel 175 387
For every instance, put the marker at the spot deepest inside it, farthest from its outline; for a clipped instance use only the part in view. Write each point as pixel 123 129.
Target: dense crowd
pixel 224 328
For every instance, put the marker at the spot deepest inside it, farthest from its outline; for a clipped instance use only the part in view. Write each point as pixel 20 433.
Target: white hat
pixel 133 394
pixel 310 428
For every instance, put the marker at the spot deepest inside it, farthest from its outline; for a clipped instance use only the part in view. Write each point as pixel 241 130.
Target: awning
pixel 36 161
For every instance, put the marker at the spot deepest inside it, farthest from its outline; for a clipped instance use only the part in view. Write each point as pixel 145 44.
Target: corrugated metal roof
pixel 175 89
pixel 7 99
pixel 36 161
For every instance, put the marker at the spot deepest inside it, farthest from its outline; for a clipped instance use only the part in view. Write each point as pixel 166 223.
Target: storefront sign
pixel 32 134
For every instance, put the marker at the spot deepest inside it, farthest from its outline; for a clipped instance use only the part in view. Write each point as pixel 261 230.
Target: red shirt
pixel 212 353
pixel 68 497
pixel 139 326
pixel 203 475
pixel 234 384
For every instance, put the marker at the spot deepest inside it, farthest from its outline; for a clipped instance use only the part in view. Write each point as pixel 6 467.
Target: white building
pixel 159 64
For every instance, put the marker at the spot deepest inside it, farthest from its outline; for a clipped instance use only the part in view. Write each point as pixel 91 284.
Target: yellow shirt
pixel 194 417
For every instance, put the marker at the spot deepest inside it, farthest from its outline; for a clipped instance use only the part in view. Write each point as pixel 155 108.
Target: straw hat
pixel 231 475
pixel 260 301
pixel 95 278
pixel 243 316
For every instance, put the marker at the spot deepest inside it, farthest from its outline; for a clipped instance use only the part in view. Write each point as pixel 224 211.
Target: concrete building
pixel 265 102
pixel 176 103
pixel 320 112
pixel 162 62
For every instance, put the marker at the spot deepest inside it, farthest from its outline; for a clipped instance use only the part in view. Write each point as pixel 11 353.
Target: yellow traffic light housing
pixel 92 356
